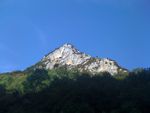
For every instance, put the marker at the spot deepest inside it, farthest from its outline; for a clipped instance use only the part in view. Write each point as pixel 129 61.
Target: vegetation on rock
pixel 63 91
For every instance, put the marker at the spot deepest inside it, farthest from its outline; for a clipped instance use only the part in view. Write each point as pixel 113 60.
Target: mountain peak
pixel 68 55
pixel 67 45
pixel 70 47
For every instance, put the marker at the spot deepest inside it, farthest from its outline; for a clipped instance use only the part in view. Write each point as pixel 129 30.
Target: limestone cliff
pixel 68 55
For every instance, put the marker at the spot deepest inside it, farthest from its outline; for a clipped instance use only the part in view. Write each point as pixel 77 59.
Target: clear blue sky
pixel 117 29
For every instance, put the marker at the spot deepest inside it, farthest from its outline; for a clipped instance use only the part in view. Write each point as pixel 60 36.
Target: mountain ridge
pixel 67 55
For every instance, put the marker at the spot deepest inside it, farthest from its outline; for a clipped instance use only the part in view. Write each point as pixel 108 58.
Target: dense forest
pixel 69 91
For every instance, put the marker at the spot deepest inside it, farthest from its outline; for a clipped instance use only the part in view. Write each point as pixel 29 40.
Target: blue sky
pixel 117 29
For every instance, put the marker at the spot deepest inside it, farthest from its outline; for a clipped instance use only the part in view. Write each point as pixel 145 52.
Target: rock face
pixel 69 56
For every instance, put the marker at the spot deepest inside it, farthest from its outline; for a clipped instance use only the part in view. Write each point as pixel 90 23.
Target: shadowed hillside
pixel 62 91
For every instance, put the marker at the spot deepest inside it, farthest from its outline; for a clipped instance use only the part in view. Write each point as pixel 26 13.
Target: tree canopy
pixel 64 91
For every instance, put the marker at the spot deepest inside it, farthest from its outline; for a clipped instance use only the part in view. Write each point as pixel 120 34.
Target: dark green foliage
pixel 62 91
pixel 37 80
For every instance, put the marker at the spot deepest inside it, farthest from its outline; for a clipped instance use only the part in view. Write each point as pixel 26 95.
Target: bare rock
pixel 68 55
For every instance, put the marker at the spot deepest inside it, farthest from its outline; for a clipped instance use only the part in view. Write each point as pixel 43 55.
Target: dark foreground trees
pixel 79 93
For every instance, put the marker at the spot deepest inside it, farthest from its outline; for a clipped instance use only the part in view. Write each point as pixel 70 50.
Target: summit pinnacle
pixel 68 55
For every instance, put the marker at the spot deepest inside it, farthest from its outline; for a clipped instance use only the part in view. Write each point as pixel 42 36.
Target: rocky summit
pixel 67 55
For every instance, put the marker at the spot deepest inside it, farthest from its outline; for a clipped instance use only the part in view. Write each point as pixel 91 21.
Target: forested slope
pixel 62 91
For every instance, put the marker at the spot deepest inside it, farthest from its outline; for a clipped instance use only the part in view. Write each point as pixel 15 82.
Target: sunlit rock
pixel 68 55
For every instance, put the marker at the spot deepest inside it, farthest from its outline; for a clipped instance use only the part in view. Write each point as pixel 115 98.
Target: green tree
pixel 38 80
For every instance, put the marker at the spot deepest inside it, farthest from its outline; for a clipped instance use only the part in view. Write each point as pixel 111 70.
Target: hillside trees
pixel 38 80
pixel 63 91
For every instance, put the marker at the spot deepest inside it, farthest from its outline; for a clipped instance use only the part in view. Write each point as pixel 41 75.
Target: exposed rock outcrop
pixel 68 55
